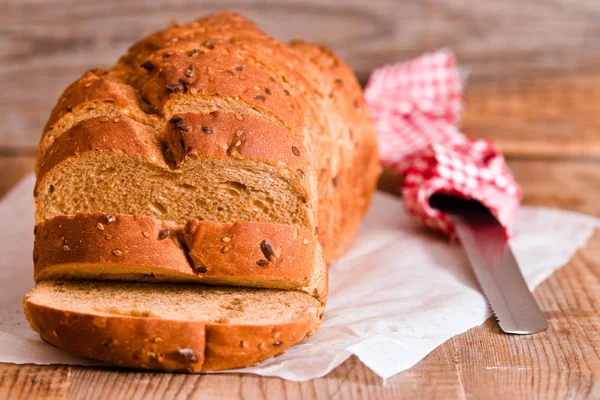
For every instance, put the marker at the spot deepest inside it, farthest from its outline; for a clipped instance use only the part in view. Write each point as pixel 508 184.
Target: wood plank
pixel 537 117
pixel 46 44
pixel 34 381
pixel 572 185
pixel 351 380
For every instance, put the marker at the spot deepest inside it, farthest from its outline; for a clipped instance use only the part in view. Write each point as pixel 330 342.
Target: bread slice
pixel 118 165
pixel 173 327
pixel 100 246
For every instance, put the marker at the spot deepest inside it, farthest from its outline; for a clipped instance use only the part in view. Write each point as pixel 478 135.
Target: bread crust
pixel 164 344
pixel 219 135
pixel 119 134
pixel 142 248
pixel 96 92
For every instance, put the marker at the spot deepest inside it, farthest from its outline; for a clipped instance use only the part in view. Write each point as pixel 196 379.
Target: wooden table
pixel 533 89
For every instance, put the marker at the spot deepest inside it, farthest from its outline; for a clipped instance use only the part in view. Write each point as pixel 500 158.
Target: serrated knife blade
pixel 496 269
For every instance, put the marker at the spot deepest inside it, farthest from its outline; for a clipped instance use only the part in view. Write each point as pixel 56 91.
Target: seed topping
pixel 209 44
pixel 147 65
pixel 176 120
pixel 263 262
pixel 174 88
pixel 268 251
pixel 201 269
pixel 163 234
pixel 189 72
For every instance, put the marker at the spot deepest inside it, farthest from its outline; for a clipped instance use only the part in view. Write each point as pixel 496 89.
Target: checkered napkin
pixel 416 107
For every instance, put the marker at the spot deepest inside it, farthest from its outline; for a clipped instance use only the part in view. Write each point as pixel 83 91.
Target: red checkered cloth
pixel 416 107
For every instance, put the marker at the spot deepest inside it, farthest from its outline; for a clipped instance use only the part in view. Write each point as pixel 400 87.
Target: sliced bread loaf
pixel 172 327
pixel 209 154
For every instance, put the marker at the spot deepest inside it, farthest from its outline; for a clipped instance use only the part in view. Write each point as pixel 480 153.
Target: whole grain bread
pixel 173 327
pixel 210 154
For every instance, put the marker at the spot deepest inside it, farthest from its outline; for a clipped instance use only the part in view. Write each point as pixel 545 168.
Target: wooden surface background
pixel 534 87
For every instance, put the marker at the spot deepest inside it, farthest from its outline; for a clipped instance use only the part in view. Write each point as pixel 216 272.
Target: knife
pixel 494 265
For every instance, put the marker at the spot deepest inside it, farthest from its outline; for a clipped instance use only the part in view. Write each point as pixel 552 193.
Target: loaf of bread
pixel 209 154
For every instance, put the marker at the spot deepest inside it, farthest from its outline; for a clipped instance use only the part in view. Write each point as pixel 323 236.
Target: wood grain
pixel 539 116
pixel 572 185
pixel 561 363
pixel 46 44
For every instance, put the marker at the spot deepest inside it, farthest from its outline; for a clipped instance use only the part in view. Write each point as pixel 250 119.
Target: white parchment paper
pixel 397 294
